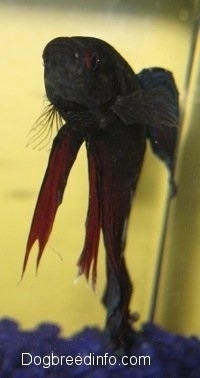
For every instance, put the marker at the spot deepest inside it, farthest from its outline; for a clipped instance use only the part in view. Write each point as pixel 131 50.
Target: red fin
pixel 121 154
pixel 63 154
pixel 90 250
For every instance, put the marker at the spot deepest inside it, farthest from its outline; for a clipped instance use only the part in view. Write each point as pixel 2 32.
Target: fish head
pixel 84 73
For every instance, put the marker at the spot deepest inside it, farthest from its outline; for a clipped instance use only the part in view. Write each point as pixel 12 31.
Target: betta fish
pixel 113 111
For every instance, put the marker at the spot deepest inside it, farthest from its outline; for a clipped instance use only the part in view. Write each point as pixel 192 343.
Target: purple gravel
pixel 170 355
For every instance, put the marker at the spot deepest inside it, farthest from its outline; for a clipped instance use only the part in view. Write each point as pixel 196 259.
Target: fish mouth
pixel 60 57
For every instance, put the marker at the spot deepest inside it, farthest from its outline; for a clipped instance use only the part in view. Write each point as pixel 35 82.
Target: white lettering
pixel 114 360
pixel 25 355
pixel 46 362
pixel 55 358
pixel 78 360
pixel 69 360
pixel 87 360
pixel 37 358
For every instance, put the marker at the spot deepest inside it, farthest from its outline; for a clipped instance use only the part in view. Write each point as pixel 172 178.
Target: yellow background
pixel 144 39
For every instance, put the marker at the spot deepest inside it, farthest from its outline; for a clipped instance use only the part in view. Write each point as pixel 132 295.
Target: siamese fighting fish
pixel 113 111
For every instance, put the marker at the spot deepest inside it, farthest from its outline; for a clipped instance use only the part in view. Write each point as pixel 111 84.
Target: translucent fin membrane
pixel 45 128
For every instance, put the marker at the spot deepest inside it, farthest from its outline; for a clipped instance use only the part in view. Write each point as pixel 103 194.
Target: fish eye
pixel 92 61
